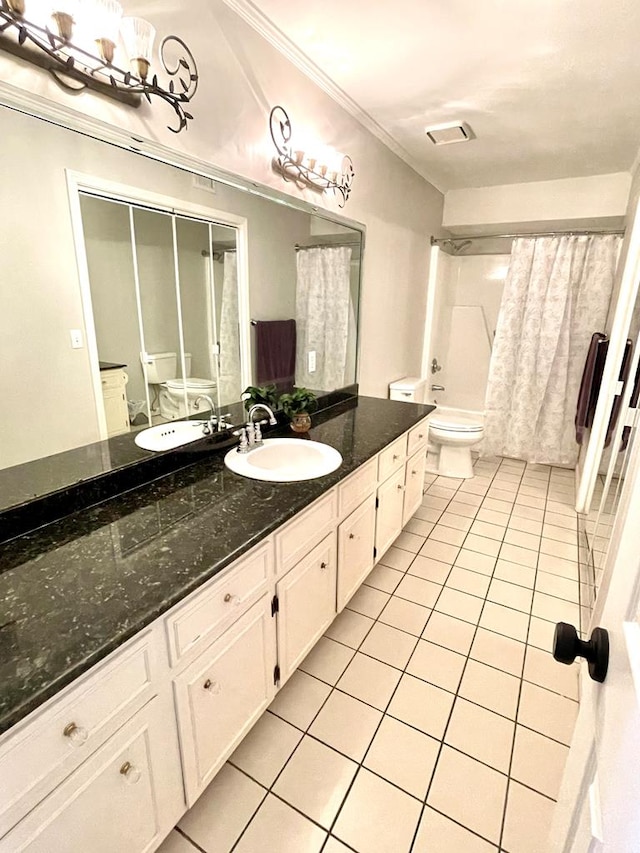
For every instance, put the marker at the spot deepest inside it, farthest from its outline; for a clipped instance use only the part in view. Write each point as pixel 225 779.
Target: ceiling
pixel 551 88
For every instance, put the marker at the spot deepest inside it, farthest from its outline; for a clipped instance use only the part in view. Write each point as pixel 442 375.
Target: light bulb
pixel 138 36
pixel 63 13
pixel 105 26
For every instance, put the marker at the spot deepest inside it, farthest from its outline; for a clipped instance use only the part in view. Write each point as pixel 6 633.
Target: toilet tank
pixel 409 389
pixel 160 366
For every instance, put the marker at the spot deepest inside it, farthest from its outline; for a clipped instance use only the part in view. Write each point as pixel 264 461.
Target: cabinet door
pixel 356 538
pixel 306 604
pixel 389 512
pixel 125 797
pixel 223 692
pixel 414 484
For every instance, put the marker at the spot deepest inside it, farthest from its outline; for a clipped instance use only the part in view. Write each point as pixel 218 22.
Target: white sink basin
pixel 168 436
pixel 285 460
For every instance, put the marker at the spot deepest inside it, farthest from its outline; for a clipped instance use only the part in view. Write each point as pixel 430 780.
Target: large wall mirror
pixel 132 288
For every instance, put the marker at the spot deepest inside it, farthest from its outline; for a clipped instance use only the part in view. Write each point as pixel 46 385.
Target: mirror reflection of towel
pixel 276 353
pixel 617 400
pixel 590 383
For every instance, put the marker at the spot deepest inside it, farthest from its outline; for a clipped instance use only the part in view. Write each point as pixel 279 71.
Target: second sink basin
pixel 285 460
pixel 170 435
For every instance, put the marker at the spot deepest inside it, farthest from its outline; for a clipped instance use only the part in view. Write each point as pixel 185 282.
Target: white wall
pixel 597 201
pixel 241 77
pixel 468 295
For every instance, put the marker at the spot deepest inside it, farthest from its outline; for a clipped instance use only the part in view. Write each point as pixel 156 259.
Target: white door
pixel 307 604
pixel 414 484
pixel 356 536
pixel 599 804
pixel 389 513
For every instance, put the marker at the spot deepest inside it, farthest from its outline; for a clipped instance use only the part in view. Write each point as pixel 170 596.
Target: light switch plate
pixel 312 361
pixel 76 338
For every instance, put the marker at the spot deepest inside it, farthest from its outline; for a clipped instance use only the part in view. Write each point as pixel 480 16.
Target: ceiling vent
pixel 446 134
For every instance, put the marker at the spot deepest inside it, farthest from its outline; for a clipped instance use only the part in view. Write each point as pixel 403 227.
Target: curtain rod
pixel 435 241
pixel 297 246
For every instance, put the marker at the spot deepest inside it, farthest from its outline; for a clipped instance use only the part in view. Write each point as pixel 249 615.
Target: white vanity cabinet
pixel 356 540
pixel 306 604
pixel 114 395
pixel 389 513
pixel 126 796
pixel 114 760
pixel 413 484
pixel 222 693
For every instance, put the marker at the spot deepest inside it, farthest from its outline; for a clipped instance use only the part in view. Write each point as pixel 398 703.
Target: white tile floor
pixel 431 717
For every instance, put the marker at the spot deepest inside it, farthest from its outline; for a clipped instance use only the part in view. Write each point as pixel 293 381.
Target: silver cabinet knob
pixel 212 687
pixel 400 488
pixel 324 565
pixel 395 457
pixel 228 597
pixel 352 536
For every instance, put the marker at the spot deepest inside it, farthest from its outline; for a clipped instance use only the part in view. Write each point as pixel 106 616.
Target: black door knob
pixel 567 646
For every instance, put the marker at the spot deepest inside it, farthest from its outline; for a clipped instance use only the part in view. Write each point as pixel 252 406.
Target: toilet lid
pixel 191 382
pixel 456 423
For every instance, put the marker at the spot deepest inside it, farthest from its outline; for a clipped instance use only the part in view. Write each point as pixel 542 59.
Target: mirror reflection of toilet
pixel 167 391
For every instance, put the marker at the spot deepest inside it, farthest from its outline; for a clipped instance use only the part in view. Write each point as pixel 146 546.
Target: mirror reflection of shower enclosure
pixel 165 313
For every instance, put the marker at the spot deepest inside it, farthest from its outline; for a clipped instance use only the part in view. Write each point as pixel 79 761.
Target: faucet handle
pixel 257 434
pixel 251 433
pixel 222 421
pixel 243 447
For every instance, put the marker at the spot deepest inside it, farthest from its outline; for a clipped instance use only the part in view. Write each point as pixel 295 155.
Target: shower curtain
pixel 229 388
pixel 323 297
pixel 557 293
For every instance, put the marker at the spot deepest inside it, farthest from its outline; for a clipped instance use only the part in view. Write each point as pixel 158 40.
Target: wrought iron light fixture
pixel 77 42
pixel 306 166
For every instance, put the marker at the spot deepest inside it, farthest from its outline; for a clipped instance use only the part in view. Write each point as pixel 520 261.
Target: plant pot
pixel 301 422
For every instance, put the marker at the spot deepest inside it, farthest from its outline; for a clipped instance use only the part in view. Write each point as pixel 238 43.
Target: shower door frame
pixel 77 183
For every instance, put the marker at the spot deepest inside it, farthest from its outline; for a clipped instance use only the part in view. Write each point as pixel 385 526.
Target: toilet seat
pixel 456 423
pixel 191 384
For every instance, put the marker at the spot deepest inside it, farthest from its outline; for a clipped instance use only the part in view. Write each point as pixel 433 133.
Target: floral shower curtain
pixel 229 366
pixel 557 293
pixel 323 296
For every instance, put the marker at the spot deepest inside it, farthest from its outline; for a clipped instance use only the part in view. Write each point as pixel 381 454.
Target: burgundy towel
pixel 633 404
pixel 617 401
pixel 276 353
pixel 590 383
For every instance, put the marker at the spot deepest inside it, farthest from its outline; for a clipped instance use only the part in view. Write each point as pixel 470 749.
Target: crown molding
pixel 271 33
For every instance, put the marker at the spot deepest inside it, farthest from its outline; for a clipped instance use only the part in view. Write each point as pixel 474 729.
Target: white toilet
pixel 451 438
pixel 168 391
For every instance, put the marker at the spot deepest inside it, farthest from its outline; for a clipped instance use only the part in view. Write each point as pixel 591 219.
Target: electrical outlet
pixel 312 361
pixel 76 338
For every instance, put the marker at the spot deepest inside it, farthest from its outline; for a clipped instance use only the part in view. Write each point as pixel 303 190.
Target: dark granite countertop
pixel 74 590
pixel 109 365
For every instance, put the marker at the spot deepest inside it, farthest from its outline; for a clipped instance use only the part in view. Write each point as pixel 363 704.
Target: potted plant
pixel 266 394
pixel 298 406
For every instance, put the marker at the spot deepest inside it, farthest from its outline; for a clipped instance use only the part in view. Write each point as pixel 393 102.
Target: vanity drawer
pixel 113 379
pixel 392 458
pixel 417 436
pixel 211 611
pixel 124 797
pixel 305 531
pixel 357 487
pixel 44 752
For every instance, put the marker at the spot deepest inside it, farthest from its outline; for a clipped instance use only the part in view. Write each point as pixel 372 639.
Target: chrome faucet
pixel 210 426
pixel 272 417
pixel 254 433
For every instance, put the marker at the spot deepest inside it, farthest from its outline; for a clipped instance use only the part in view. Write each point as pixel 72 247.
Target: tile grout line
pixel 334 687
pixel 444 734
